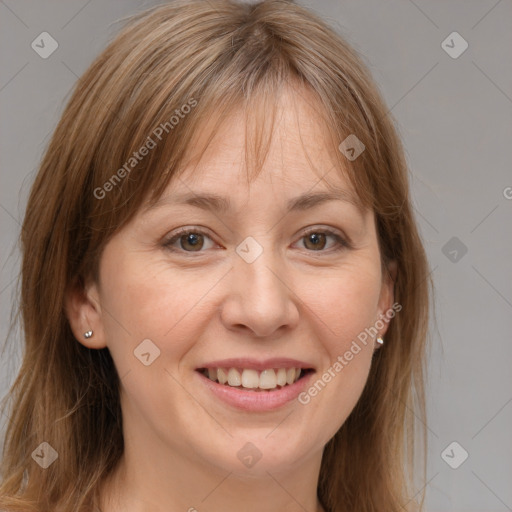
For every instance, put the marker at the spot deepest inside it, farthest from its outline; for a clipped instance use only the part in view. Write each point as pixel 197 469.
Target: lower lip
pixel 256 401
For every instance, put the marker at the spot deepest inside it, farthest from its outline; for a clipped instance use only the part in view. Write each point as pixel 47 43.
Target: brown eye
pixel 315 241
pixel 188 240
pixel 318 241
pixel 192 241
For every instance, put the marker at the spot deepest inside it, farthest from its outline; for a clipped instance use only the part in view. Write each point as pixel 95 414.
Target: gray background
pixel 455 117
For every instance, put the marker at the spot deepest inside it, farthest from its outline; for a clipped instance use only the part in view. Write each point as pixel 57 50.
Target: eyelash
pixel 342 242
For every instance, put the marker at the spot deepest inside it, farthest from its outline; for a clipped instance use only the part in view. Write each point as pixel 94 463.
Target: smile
pixel 254 399
pixel 254 380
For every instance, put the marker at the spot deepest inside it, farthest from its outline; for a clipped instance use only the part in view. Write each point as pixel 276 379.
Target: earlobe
pixel 83 311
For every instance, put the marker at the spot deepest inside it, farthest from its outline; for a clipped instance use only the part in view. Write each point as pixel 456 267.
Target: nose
pixel 260 297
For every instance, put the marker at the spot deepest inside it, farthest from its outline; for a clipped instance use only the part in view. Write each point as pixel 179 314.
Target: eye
pixel 193 240
pixel 316 240
pixel 188 239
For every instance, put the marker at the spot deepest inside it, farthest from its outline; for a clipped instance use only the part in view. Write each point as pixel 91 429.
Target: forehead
pixel 294 139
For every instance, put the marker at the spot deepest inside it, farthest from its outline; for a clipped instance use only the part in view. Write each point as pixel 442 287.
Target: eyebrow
pixel 220 204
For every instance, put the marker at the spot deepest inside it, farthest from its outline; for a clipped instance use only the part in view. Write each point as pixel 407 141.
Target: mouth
pixel 255 385
pixel 249 379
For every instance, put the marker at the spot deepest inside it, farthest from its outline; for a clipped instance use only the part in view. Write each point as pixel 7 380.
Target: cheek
pixel 150 310
pixel 345 304
pixel 344 310
pixel 151 301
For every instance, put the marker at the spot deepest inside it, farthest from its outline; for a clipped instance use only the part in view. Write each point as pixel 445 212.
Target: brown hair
pixel 213 56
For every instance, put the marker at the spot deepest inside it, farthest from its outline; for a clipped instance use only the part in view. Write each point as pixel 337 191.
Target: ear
pixel 387 295
pixel 83 310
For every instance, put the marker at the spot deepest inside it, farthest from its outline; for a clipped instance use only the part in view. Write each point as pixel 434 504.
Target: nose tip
pixel 259 298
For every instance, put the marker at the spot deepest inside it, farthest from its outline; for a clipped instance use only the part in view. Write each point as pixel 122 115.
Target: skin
pixel 181 442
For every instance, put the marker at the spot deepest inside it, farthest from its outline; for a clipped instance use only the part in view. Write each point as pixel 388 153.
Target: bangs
pixel 178 144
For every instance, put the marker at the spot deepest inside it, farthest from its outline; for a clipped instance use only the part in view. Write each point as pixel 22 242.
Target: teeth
pixel 268 379
pixel 290 375
pixel 281 376
pixel 221 376
pixel 234 377
pixel 252 379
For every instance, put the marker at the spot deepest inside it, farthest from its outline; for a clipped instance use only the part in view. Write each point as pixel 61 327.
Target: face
pixel 257 286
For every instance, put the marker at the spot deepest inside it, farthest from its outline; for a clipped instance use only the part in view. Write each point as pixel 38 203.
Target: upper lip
pixel 257 364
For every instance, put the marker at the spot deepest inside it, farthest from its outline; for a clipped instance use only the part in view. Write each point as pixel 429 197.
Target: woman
pixel 224 293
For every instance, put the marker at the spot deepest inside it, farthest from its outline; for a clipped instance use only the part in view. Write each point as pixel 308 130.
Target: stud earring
pixel 87 334
pixel 380 341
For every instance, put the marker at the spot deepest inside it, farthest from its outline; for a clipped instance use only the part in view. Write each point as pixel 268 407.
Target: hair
pixel 197 61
